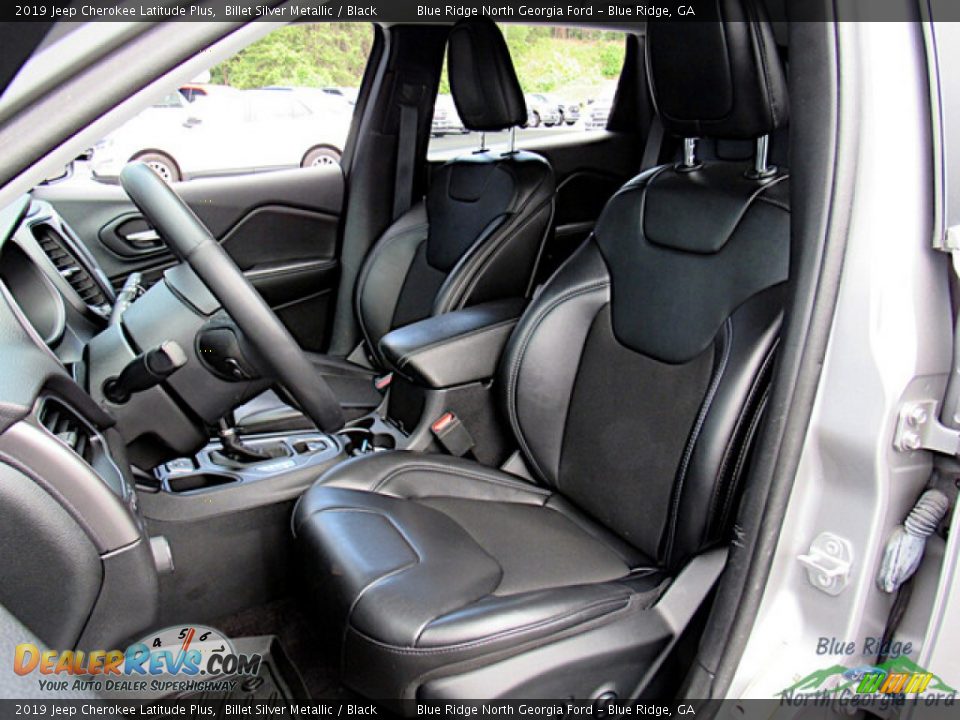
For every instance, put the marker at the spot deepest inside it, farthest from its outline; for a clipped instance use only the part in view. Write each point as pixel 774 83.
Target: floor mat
pixel 314 660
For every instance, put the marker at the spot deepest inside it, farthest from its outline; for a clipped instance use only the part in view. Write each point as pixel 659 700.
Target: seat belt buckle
pixel 452 434
pixel 383 382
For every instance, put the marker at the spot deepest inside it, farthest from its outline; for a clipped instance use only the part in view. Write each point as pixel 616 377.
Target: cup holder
pixel 363 441
pixel 198 481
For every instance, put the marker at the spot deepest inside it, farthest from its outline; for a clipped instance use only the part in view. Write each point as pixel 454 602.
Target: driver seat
pixel 476 236
pixel 634 384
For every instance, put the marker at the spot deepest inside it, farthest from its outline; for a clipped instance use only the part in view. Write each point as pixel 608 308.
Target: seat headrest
pixel 483 82
pixel 719 79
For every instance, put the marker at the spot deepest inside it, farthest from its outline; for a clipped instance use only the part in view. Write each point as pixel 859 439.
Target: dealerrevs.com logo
pixel 178 659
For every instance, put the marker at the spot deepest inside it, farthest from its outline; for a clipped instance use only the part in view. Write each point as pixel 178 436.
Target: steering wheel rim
pixel 193 243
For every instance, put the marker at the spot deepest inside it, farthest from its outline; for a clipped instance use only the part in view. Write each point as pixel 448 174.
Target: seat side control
pixel 452 434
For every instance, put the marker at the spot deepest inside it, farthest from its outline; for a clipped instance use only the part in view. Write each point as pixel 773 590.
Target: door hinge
pixel 950 240
pixel 919 428
pixel 828 563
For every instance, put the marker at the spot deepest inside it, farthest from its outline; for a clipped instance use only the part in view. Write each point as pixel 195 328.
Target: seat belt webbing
pixel 406 158
pixel 651 149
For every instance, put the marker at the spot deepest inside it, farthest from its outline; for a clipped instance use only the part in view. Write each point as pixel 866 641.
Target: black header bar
pixel 529 11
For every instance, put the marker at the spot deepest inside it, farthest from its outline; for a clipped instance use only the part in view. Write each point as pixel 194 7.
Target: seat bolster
pixel 530 614
pixel 375 558
pixel 384 272
pixel 551 334
pixel 488 270
pixel 415 475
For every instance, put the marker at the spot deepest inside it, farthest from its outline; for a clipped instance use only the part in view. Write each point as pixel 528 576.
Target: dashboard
pixel 53 278
pixel 75 542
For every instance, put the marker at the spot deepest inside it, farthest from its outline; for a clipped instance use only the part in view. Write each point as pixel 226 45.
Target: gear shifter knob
pixel 145 371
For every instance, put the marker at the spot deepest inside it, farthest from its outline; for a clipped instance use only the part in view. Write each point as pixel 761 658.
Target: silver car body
pixel 231 132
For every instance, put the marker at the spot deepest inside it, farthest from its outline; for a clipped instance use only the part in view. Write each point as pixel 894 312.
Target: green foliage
pixel 308 55
pixel 547 58
pixel 552 59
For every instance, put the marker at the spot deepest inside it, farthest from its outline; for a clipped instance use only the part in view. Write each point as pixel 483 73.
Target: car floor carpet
pixel 314 659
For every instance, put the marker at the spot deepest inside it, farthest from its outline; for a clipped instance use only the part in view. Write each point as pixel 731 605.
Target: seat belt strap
pixel 406 149
pixel 651 149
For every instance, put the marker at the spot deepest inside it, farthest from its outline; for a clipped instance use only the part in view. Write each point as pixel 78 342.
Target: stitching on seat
pixel 515 366
pixel 477 540
pixel 491 246
pixel 377 580
pixel 501 244
pixel 447 296
pixel 744 452
pixel 367 265
pixel 412 467
pixel 742 416
pixel 695 436
pixel 774 202
pixel 623 602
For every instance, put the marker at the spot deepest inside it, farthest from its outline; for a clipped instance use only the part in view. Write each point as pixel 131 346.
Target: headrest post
pixel 763 149
pixel 690 153
pixel 512 148
pixel 761 169
pixel 483 142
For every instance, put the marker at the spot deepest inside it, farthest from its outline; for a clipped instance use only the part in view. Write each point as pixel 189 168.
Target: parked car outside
pixel 542 111
pixel 446 119
pixel 347 93
pixel 193 91
pixel 598 112
pixel 319 100
pixel 187 140
pixel 569 111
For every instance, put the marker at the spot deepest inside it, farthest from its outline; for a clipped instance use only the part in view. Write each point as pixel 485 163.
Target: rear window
pixel 566 74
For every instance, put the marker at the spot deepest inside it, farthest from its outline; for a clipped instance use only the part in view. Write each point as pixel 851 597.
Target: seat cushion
pixel 440 560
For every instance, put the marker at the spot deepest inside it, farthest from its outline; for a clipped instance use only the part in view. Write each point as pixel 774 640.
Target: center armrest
pixel 454 348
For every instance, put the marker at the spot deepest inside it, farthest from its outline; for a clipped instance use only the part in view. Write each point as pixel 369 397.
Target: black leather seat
pixel 477 235
pixel 634 384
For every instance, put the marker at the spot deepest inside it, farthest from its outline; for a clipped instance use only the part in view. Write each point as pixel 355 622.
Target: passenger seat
pixel 476 237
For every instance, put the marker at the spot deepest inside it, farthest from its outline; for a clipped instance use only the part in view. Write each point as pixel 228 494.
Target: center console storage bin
pixel 446 364
pixel 455 348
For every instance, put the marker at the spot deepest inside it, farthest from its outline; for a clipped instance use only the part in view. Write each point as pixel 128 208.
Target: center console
pixel 442 369
pixel 227 517
pixel 214 468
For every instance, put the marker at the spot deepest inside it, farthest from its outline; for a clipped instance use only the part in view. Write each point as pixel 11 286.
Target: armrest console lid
pixel 454 348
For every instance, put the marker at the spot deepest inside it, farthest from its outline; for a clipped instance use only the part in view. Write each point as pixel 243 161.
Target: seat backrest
pixel 635 380
pixel 478 234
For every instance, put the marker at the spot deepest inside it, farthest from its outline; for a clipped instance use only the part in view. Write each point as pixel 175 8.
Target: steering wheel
pixel 192 242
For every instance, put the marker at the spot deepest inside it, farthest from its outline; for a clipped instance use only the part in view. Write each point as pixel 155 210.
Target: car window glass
pixel 566 74
pixel 285 101
pixel 170 100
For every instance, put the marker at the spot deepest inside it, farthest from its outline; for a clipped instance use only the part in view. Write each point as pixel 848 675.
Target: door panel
pixel 281 228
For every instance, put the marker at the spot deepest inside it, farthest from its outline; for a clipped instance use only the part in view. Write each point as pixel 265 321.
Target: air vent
pixel 56 248
pixel 63 423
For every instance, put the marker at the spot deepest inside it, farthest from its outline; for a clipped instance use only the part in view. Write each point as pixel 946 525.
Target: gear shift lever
pixel 234 448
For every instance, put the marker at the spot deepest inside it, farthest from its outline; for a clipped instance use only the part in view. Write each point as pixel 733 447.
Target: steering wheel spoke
pixel 193 243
